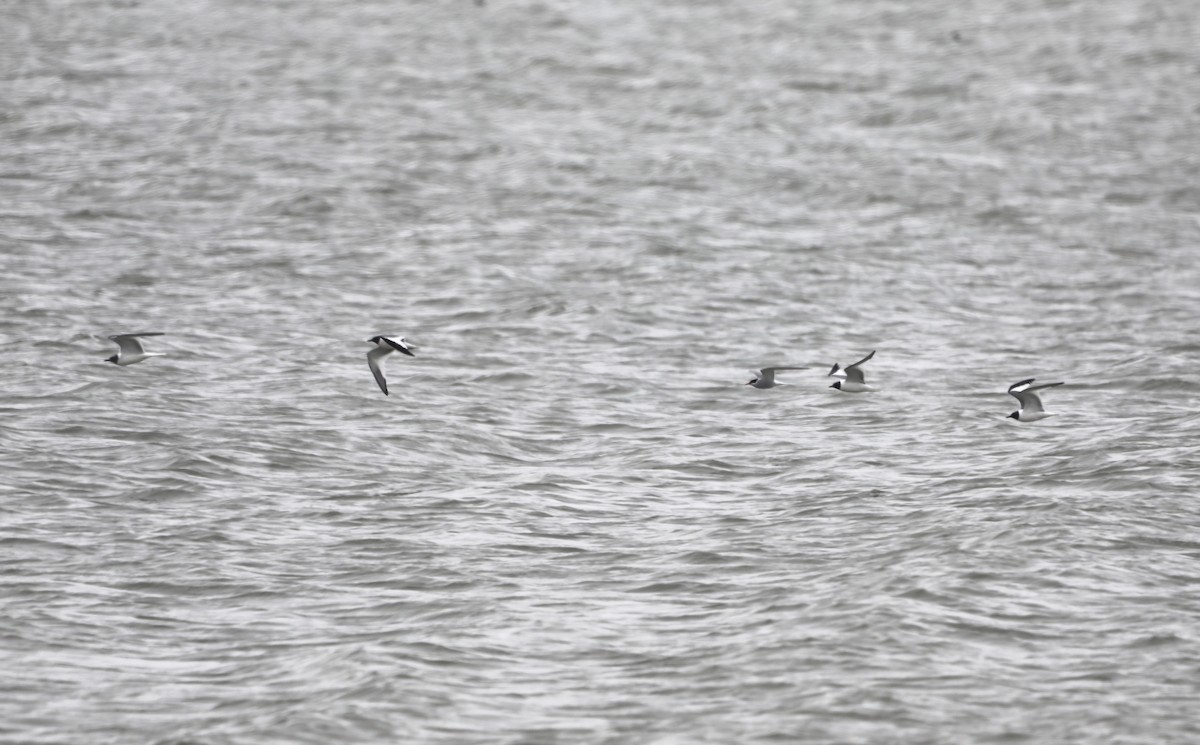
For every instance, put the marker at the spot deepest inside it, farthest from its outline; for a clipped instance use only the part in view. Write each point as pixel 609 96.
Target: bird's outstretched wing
pixel 375 362
pixel 854 374
pixel 129 343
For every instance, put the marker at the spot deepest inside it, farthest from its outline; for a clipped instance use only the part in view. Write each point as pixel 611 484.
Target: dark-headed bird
pixel 856 381
pixel 1031 404
pixel 765 378
pixel 131 351
pixel 383 347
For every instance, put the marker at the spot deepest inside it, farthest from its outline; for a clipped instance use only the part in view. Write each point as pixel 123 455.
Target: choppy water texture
pixel 572 522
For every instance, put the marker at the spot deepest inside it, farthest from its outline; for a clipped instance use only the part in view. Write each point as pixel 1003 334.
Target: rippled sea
pixel 571 521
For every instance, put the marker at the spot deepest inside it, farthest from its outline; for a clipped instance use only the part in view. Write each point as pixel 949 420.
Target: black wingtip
pixel 397 346
pixel 1020 383
pixel 866 359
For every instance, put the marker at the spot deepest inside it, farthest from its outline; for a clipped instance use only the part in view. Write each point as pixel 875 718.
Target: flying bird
pixel 383 347
pixel 765 378
pixel 1031 404
pixel 855 381
pixel 131 351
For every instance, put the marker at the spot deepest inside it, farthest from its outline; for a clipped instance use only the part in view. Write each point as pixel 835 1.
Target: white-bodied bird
pixel 765 378
pixel 131 351
pixel 856 381
pixel 1031 404
pixel 383 347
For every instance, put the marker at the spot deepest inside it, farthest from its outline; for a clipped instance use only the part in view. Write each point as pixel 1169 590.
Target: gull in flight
pixel 1031 404
pixel 765 378
pixel 855 381
pixel 131 351
pixel 383 347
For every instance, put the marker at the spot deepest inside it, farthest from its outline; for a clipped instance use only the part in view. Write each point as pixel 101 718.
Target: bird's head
pixel 112 359
pixel 837 385
pixel 1015 415
pixel 752 382
pixel 374 339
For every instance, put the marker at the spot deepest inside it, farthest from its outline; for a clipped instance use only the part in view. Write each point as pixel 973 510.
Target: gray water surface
pixel 571 521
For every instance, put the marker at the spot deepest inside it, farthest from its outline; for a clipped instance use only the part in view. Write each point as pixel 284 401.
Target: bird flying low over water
pixel 131 351
pixel 383 347
pixel 765 378
pixel 856 381
pixel 1031 404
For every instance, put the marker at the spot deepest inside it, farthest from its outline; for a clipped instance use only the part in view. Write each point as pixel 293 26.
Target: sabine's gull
pixel 855 381
pixel 765 378
pixel 131 351
pixel 383 347
pixel 1031 404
